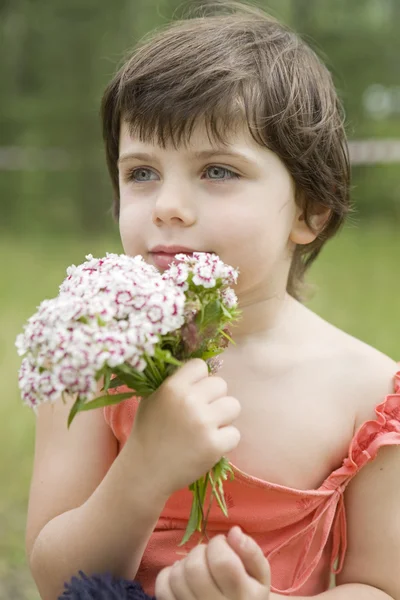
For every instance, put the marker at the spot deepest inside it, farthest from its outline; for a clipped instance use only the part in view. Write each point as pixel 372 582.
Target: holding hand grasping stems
pixel 117 319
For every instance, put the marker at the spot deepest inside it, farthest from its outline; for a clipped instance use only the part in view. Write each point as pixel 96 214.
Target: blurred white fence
pixel 19 158
pixel 374 151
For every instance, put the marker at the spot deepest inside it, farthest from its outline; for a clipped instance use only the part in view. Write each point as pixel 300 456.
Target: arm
pixel 96 511
pixel 92 511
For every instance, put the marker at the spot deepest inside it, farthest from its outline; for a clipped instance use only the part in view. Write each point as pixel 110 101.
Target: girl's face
pixel 237 201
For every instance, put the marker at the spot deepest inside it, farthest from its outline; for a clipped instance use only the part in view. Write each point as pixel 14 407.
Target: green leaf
pixel 107 380
pixel 197 354
pixel 106 400
pixel 83 320
pixel 75 409
pixel 166 356
pixel 135 380
pixel 212 313
pixel 210 354
pixel 139 388
pixel 204 491
pixel 222 469
pixel 152 373
pixel 115 382
pixel 226 312
pixel 100 373
pixel 192 525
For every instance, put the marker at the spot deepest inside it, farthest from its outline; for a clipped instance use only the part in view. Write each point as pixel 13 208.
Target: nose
pixel 174 207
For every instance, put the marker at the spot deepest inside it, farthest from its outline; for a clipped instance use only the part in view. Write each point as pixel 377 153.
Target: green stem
pixel 220 501
pixel 205 520
pixel 204 529
pixel 152 371
pixel 200 505
pixel 228 337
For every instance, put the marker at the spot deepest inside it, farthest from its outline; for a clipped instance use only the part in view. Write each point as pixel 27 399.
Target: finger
pixel 225 410
pixel 250 554
pixel 227 439
pixel 198 575
pixel 178 583
pixel 162 587
pixel 192 371
pixel 211 389
pixel 226 568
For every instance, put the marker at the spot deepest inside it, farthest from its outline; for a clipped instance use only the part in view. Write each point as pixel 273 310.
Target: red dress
pixel 302 533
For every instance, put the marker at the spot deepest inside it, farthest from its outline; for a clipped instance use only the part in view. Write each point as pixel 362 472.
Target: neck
pixel 266 318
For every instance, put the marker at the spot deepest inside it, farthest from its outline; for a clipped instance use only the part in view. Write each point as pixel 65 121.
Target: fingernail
pixel 242 538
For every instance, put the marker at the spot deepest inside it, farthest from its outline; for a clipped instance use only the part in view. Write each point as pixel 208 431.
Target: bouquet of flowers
pixel 118 321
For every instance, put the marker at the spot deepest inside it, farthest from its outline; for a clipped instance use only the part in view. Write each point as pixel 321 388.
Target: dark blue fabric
pixel 103 587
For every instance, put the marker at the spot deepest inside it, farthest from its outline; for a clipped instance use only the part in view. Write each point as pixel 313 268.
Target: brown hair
pixel 229 63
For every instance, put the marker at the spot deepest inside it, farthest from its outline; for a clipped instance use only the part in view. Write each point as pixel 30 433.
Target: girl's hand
pixel 182 430
pixel 228 568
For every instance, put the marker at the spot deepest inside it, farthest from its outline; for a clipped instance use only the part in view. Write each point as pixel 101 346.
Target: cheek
pixel 132 229
pixel 256 241
pixel 254 232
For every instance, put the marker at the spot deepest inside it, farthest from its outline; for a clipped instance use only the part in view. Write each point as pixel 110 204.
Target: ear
pixel 300 232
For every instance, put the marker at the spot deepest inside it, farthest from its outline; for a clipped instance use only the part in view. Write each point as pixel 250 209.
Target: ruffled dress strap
pixel 384 430
pixel 330 516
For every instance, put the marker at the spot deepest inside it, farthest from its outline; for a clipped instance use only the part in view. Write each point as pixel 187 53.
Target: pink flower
pixel 215 364
pixel 112 311
pixel 229 298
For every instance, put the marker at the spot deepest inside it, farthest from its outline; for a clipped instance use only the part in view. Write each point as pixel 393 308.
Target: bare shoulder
pixel 374 371
pixel 366 372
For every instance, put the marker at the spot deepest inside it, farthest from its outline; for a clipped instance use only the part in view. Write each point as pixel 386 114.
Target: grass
pixel 358 291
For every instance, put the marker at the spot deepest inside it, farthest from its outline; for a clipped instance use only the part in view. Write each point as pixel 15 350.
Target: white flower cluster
pixel 206 269
pixel 109 311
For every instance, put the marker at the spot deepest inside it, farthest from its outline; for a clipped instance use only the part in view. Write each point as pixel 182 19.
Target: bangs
pixel 163 118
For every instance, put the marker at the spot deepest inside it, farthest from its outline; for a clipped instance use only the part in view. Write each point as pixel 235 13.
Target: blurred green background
pixel 55 194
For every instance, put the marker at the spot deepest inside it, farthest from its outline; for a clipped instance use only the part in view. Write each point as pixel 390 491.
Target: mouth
pixel 163 256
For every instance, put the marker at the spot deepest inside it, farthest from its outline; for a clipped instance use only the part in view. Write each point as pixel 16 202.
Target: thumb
pixel 250 553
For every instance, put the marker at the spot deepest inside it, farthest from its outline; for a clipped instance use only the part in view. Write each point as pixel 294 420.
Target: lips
pixel 163 260
pixel 172 250
pixel 163 256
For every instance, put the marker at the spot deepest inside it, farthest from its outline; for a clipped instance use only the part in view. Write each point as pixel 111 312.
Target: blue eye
pixel 216 168
pixel 133 174
pixel 141 171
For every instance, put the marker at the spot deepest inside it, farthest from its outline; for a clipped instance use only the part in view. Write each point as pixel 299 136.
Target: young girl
pixel 224 134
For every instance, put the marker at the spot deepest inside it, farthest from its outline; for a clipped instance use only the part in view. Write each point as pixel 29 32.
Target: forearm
pixel 108 533
pixel 349 591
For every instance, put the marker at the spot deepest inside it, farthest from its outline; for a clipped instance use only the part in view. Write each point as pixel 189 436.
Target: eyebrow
pixel 201 154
